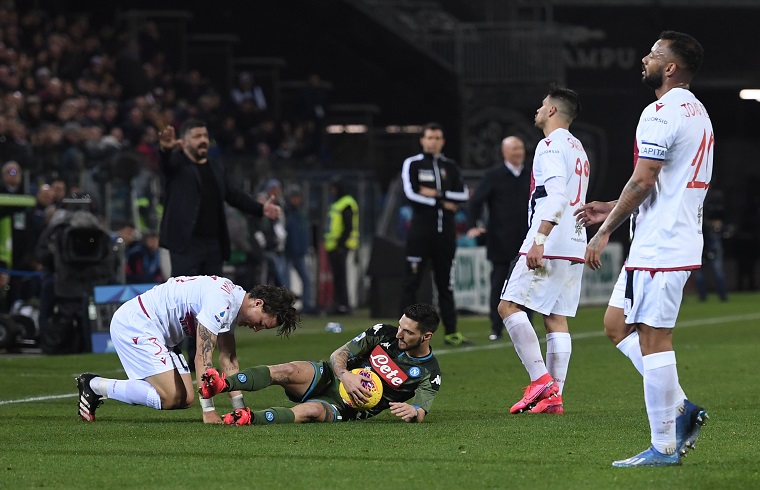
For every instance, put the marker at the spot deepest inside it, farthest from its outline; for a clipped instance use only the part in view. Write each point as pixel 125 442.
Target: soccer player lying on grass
pixel 147 330
pixel 401 356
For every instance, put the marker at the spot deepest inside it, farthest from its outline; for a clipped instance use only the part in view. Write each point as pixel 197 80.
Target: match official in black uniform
pixel 434 187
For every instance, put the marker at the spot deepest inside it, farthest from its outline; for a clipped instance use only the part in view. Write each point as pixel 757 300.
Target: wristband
pixel 237 402
pixel 207 404
pixel 539 239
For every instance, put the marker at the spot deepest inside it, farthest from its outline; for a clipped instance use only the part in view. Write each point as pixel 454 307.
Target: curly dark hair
pixel 425 315
pixel 278 302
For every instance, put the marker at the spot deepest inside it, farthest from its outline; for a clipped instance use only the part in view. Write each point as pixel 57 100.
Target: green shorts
pixel 324 388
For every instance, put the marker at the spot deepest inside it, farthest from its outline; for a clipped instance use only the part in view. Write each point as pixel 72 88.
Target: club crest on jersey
pixel 415 372
pixel 384 366
pixel 242 377
pixel 269 416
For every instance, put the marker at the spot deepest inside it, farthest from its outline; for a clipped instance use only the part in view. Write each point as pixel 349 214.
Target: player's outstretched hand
pixel 593 212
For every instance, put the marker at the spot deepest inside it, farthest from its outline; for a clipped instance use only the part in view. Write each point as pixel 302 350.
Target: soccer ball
pixel 371 382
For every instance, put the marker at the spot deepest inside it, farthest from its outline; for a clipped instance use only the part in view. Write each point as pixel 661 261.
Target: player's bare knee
pixel 507 308
pixel 312 412
pixel 615 327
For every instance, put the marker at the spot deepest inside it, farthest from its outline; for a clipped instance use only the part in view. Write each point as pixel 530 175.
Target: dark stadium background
pixel 370 64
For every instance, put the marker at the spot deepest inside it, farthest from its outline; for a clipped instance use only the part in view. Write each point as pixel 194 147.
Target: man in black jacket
pixel 505 190
pixel 434 186
pixel 193 225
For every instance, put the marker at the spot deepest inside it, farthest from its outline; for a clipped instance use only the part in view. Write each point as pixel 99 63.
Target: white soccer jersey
pixel 180 302
pixel 667 233
pixel 560 155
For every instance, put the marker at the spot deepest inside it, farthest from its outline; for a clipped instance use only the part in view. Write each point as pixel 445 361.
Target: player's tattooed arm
pixel 351 382
pixel 635 192
pixel 339 360
pixel 204 352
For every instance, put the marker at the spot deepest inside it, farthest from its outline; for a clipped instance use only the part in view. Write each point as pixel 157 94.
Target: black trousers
pixel 438 249
pixel 203 257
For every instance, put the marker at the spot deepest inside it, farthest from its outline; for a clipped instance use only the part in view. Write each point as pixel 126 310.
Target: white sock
pixel 526 344
pixel 661 398
pixel 631 347
pixel 132 391
pixel 559 346
pixel 99 386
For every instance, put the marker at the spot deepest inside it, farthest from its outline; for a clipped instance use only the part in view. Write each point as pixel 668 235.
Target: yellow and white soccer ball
pixel 371 382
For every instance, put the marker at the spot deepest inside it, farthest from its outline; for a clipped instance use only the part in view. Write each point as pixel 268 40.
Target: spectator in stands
pixel 143 263
pixel 272 236
pixel 298 243
pixel 246 90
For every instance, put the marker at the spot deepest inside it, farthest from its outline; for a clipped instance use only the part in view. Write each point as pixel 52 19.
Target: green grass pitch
pixel 468 441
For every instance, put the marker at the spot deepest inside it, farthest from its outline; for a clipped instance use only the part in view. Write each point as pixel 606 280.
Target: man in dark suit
pixel 504 189
pixel 193 225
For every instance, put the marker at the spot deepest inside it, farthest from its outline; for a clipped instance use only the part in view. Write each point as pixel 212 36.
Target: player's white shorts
pixel 140 344
pixel 651 300
pixel 555 288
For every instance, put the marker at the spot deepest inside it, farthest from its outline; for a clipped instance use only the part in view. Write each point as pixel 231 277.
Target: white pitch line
pixel 498 345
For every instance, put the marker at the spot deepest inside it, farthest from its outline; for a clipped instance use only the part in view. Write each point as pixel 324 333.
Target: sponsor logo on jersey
pixel 548 142
pixel 425 175
pixel 218 320
pixel 545 152
pixel 242 377
pixel 415 372
pixel 384 366
pixel 377 327
pixel 436 380
pixel 658 106
pixel 359 337
pixel 655 119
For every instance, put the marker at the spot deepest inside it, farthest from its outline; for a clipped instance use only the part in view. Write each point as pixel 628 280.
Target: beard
pixel 199 153
pixel 411 346
pixel 652 80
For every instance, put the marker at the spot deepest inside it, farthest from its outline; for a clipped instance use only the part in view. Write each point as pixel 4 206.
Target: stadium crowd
pixel 81 105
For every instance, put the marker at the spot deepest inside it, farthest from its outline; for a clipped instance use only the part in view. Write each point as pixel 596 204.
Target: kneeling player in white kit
pixel 547 274
pixel 147 330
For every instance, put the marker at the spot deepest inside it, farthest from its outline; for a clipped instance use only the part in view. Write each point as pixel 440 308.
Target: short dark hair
pixel 432 126
pixel 189 125
pixel 425 315
pixel 571 104
pixel 278 302
pixel 686 49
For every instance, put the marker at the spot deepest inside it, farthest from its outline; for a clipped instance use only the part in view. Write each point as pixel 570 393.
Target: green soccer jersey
pixel 404 377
